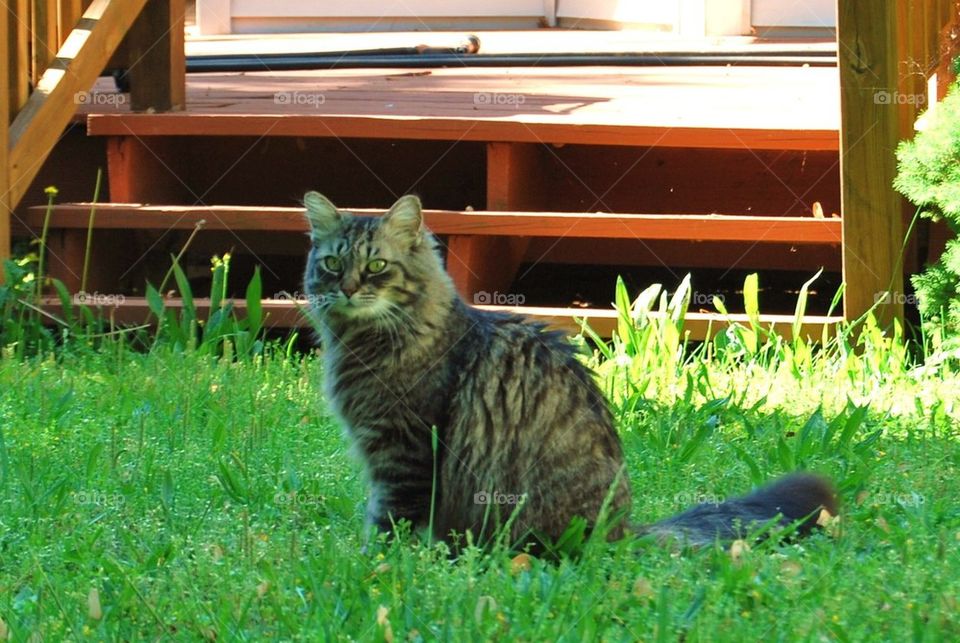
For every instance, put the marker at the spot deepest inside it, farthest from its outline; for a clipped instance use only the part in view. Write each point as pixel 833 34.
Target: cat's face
pixel 363 268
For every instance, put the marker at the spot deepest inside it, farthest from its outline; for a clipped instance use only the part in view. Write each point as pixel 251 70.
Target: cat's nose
pixel 349 289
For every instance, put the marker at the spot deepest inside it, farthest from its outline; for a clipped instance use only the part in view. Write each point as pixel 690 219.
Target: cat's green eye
pixel 333 264
pixel 376 265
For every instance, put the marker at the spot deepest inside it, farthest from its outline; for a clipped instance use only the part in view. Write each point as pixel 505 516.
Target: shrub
pixel 929 175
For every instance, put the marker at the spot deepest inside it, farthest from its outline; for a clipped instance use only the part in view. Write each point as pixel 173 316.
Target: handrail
pixel 51 53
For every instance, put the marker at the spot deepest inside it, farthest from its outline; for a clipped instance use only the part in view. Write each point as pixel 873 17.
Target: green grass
pixel 171 494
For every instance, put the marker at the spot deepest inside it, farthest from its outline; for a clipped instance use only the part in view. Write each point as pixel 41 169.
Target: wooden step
pixel 777 108
pixel 288 313
pixel 687 227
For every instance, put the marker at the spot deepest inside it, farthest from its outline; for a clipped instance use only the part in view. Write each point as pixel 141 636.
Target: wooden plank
pixel 282 313
pixel 6 207
pixel 44 32
pixel 869 132
pixel 65 251
pixel 157 64
pixel 50 107
pixel 762 99
pixel 485 263
pixel 795 230
pixel 589 178
pixel 679 254
pixel 514 179
pixel 18 48
pixel 455 129
pixel 70 12
pixel 781 108
pixel 141 170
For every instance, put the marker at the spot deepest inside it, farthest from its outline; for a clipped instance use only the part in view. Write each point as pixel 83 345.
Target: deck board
pixel 289 313
pixel 750 107
pixel 688 227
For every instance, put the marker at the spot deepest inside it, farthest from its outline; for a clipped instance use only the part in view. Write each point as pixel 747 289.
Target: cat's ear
pixel 323 216
pixel 404 221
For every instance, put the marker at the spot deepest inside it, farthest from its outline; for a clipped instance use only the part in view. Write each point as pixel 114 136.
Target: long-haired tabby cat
pixel 471 420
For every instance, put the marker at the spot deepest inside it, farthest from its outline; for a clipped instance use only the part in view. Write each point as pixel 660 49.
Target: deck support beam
pixel 156 63
pixel 6 207
pixel 889 50
pixel 872 211
pixel 139 170
pixel 483 265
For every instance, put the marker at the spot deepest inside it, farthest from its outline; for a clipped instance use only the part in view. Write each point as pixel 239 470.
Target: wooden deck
pixel 775 121
pixel 781 108
pixel 288 313
pixel 686 227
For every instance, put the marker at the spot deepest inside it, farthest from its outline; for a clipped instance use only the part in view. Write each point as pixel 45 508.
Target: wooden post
pixel 156 65
pixel 45 42
pixel 17 33
pixel 869 132
pixel 139 171
pixel 70 12
pixel 78 63
pixel 5 98
pixel 483 265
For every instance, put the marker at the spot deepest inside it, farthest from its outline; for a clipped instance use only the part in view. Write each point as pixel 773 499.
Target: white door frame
pixel 686 18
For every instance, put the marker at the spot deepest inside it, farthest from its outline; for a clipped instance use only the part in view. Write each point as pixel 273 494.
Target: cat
pixel 477 421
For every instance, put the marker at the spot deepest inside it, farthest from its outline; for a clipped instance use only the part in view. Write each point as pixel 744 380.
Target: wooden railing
pixel 51 53
pixel 895 60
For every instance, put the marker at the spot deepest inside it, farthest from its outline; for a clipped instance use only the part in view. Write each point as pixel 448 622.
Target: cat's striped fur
pixel 520 423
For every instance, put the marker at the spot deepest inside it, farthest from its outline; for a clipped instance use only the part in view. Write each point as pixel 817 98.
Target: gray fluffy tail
pixel 793 498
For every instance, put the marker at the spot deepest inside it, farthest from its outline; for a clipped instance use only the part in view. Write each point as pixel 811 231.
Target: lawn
pixel 169 494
